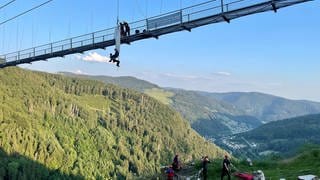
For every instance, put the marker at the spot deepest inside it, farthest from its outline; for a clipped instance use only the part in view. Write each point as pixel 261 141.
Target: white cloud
pixel 222 73
pixel 80 72
pixel 93 57
pixel 77 56
pixel 182 77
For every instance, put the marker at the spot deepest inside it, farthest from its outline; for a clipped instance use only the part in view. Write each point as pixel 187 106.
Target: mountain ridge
pixel 123 81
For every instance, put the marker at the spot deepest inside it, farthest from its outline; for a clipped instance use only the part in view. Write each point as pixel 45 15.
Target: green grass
pixel 160 94
pixel 307 162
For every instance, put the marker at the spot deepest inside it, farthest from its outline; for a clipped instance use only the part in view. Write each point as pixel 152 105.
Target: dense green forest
pixel 85 128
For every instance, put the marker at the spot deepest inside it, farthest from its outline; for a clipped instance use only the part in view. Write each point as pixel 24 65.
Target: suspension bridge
pixel 184 19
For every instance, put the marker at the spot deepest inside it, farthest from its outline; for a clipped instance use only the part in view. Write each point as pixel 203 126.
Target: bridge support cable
pixel 25 12
pixel 184 19
pixel 7 4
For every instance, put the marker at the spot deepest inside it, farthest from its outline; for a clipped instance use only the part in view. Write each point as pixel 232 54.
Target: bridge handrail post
pixel 34 52
pixel 147 27
pixel 51 49
pixel 181 20
pixel 273 6
pixel 92 38
pixel 70 43
pixel 222 6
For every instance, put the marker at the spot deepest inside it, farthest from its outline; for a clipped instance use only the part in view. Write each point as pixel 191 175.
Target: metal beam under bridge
pixel 184 19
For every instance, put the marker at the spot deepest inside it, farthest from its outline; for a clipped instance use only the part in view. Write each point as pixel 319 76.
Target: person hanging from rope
pixel 127 28
pixel 225 168
pixel 113 58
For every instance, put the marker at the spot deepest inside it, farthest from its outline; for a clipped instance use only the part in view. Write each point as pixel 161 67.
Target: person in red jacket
pixel 170 173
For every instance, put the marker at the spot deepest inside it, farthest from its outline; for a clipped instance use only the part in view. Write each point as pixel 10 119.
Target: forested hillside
pixel 85 128
pixel 283 137
pixel 211 117
pixel 208 116
pixel 218 114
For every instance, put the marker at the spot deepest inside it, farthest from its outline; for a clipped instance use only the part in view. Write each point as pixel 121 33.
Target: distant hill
pixel 122 81
pixel 283 137
pixel 209 116
pixel 219 114
pixel 87 129
pixel 267 107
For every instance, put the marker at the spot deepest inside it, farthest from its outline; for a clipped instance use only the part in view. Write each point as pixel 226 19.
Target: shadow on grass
pixel 19 167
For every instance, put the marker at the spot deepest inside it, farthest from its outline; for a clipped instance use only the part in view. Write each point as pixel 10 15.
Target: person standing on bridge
pixel 122 30
pixel 127 28
pixel 205 162
pixel 113 58
pixel 225 168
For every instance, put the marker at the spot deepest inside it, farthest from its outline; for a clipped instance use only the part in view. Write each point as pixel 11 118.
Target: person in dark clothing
pixel 176 163
pixel 113 58
pixel 205 162
pixel 225 168
pixel 127 28
pixel 122 30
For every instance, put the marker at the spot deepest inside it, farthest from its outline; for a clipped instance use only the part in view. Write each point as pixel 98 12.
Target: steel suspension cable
pixel 25 12
pixel 3 6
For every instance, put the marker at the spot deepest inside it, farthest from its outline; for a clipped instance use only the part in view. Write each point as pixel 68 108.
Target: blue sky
pixel 274 53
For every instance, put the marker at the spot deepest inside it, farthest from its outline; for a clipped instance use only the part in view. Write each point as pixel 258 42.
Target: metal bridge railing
pixel 202 10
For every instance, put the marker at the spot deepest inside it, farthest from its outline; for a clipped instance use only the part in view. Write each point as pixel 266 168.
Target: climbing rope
pixel 161 3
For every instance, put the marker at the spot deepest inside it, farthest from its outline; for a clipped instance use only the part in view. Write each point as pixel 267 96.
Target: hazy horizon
pixel 185 87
